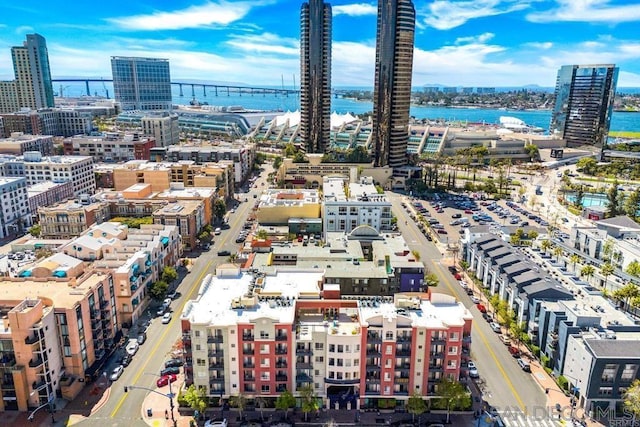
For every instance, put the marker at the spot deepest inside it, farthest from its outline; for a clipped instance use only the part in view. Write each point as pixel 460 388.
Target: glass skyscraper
pixel 33 76
pixel 141 83
pixel 584 103
pixel 392 86
pixel 315 75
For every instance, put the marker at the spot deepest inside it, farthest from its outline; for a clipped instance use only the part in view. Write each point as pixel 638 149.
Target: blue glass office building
pixel 141 83
pixel 584 103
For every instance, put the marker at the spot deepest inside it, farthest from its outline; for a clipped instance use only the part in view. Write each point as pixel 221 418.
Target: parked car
pixel 126 359
pixel 174 370
pixel 495 327
pixel 505 340
pixel 142 338
pixel 481 308
pixel 173 363
pixel 163 381
pixel 117 371
pixel 132 347
pixel 475 299
pixel 473 370
pixel 211 423
pixel 514 351
pixel 524 365
pixel 224 253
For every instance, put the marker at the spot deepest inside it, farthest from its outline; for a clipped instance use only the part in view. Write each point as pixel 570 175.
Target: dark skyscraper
pixel 584 103
pixel 315 75
pixel 392 86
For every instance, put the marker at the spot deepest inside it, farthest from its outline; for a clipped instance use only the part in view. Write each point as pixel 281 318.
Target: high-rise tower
pixel 315 75
pixel 392 86
pixel 33 75
pixel 584 103
pixel 141 83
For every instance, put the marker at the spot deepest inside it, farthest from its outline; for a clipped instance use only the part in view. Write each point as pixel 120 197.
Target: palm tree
pixel 240 402
pixel 607 270
pixel 575 258
pixel 588 271
pixel 545 245
pixel 309 400
pixel 627 293
pixel 557 251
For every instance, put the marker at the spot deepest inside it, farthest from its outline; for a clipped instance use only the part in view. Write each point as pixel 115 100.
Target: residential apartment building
pixel 8 96
pixel 110 147
pixel 277 207
pixel 141 83
pixel 19 143
pixel 38 168
pixel 70 219
pixel 362 205
pixel 49 121
pixel 242 156
pixel 163 127
pixel 15 216
pixel 315 75
pixel 583 105
pixel 47 193
pixel 268 333
pixel 50 345
pixel 187 215
pixel 392 85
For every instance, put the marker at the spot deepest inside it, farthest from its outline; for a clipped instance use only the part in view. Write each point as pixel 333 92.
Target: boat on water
pixel 514 124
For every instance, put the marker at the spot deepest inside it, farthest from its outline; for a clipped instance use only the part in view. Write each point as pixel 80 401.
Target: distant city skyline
pixel 498 43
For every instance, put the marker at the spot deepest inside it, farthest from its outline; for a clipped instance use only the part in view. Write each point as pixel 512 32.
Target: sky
pixel 495 43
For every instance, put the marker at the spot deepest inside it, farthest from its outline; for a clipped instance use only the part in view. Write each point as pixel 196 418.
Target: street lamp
pixel 170 395
pixel 50 403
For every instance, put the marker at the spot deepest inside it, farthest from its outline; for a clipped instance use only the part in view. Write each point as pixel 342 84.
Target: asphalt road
pixel 125 408
pixel 506 386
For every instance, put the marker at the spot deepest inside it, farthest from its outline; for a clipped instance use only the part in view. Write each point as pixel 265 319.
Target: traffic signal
pixel 546 390
pixel 126 389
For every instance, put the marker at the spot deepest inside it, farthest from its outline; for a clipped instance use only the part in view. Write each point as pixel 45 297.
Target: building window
pixel 609 373
pixel 453 336
pixel 319 346
pixel 264 348
pixel 605 391
pixel 453 350
pixel 265 376
pixel 265 388
pixel 264 335
pixel 389 335
pixel 629 372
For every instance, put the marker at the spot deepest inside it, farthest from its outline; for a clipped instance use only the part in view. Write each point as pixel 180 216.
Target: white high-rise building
pixel 14 204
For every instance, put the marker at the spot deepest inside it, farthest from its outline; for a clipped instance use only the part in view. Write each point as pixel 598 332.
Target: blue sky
pixel 466 42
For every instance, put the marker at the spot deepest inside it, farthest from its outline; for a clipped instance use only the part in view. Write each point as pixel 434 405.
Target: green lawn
pixel 624 134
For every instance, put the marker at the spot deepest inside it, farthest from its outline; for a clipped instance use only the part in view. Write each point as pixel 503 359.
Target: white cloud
pixel 355 9
pixel 481 38
pixel 24 29
pixel 448 14
pixel 265 43
pixel 208 14
pixel 588 11
pixel 539 45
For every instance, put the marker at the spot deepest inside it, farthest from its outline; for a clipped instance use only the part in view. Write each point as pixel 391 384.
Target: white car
pixel 495 327
pixel 475 299
pixel 166 318
pixel 132 347
pixel 117 371
pixel 463 284
pixel 473 370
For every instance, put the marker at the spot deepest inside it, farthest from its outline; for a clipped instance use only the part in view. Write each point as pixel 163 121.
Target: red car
pixel 481 308
pixel 163 381
pixel 514 351
pixel 458 276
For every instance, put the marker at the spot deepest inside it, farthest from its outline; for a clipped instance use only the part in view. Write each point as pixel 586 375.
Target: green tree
pixel 35 230
pixel 545 245
pixel 261 402
pixel 631 400
pixel 285 401
pixel 464 265
pixel 290 150
pixel 607 269
pixel 309 400
pixel 627 293
pixel 260 159
pixel 587 165
pixel 205 236
pixel 416 254
pixel 416 405
pixel 195 398
pixel 239 401
pixel 169 274
pixel 219 208
pixel 159 290
pixel 532 151
pixel 557 252
pixel 262 234
pixel 633 268
pixel 277 162
pixel 587 271
pixel 454 395
pixel 133 222
pixel 533 235
pixel 575 259
pixel 632 203
pixel 431 279
pixel 299 158
pixel 518 330
pixel 614 198
pixel 579 197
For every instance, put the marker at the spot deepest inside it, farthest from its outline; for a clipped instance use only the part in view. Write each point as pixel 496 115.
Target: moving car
pixel 117 371
pixel 166 318
pixel 163 381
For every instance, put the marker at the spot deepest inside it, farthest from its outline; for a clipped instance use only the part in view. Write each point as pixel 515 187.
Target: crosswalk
pixel 515 419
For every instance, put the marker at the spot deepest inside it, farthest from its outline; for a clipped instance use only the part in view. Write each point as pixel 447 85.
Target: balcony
pixel 373 352
pixel 281 337
pixel 303 378
pixel 34 363
pixel 374 338
pixel 373 367
pixel 435 367
pixel 281 350
pixel 303 351
pixel 303 365
pixel 437 354
pixel 249 378
pixel 281 388
pixel 37 385
pixel 31 339
pixel 216 365
pixel 249 365
pixel 403 352
pixel 214 339
pixel 215 352
pixel 247 337
pixel 439 340
pixel 403 367
pixel 403 338
pixel 217 380
pixel 401 380
pixel 281 364
pixel 281 378
pixel 248 350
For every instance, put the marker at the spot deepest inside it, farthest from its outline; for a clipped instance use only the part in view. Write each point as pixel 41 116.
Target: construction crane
pixel 62 89
pixel 106 91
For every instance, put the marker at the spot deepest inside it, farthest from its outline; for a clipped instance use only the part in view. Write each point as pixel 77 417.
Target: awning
pixel 59 273
pixel 26 273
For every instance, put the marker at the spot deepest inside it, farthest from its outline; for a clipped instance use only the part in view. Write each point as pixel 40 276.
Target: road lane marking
pixel 493 355
pixel 166 331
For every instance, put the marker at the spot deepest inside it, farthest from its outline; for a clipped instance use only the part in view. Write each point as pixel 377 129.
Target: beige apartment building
pixel 276 207
pixel 70 219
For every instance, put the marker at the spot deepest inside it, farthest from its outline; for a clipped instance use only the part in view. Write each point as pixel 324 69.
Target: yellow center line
pixel 166 331
pixel 493 356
